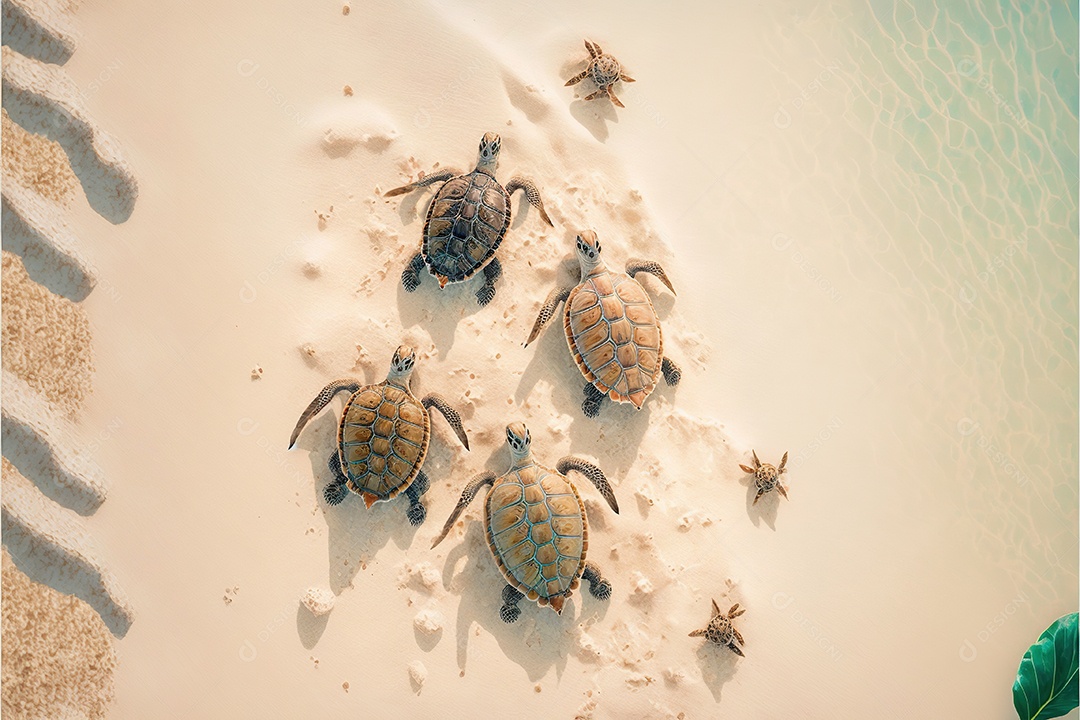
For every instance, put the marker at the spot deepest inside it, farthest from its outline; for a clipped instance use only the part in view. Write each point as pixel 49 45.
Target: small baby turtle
pixel 604 70
pixel 536 526
pixel 382 437
pixel 612 329
pixel 766 476
pixel 466 222
pixel 721 631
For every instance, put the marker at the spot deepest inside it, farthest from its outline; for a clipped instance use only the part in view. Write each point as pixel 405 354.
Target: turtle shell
pixel 614 335
pixel 604 70
pixel 719 630
pixel 382 440
pixel 465 224
pixel 537 530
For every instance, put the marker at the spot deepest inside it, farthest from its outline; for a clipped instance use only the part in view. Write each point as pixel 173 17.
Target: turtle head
pixel 588 251
pixel 519 440
pixel 402 364
pixel 489 152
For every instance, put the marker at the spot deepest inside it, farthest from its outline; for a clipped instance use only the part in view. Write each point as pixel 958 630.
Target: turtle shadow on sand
pixel 439 311
pixel 718 666
pixel 765 509
pixel 309 627
pixel 539 640
pixel 355 534
pixel 595 115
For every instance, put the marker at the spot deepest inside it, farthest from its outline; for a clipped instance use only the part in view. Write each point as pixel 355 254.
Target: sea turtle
pixel 604 70
pixel 466 222
pixel 382 437
pixel 611 328
pixel 536 526
pixel 721 631
pixel 766 476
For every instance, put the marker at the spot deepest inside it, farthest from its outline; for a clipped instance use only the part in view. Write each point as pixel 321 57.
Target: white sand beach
pixel 870 220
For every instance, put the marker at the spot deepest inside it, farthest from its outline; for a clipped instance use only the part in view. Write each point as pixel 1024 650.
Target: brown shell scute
pixel 465 225
pixel 382 440
pixel 537 532
pixel 615 337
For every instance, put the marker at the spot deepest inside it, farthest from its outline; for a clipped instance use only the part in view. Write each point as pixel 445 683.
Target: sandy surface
pixel 58 658
pixel 823 309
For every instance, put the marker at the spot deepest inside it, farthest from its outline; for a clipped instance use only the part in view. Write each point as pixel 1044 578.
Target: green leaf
pixel 1046 682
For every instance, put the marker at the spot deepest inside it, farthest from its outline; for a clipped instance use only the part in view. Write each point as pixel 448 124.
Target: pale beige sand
pixel 272 248
pixel 36 163
pixel 58 658
pixel 44 98
pixel 46 339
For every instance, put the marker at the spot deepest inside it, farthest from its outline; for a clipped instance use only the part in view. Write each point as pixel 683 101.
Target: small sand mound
pixel 46 338
pixel 37 163
pixel 58 657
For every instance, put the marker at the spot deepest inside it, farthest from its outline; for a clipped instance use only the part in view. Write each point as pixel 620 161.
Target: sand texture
pixel 44 100
pixel 875 267
pixel 60 603
pixel 42 29
pixel 58 658
pixel 53 546
pixel 46 339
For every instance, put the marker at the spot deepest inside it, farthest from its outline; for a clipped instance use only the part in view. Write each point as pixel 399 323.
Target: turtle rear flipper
pixel 599 588
pixel 510 612
pixel 335 493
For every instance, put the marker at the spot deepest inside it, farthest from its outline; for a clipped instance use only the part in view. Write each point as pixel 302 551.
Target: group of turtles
pixel 534 519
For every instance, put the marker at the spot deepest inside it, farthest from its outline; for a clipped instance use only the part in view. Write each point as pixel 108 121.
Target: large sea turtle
pixel 611 328
pixel 536 526
pixel 382 437
pixel 721 631
pixel 604 70
pixel 466 222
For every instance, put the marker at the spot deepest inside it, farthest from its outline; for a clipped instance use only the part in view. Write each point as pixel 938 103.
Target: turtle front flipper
pixel 417 513
pixel 322 400
pixel 599 588
pixel 577 78
pixel 547 310
pixel 510 612
pixel 594 474
pixel 410 276
pixel 653 268
pixel 593 397
pixel 337 490
pixel 672 372
pixel 614 99
pixel 453 417
pixel 441 176
pixel 492 272
pixel 467 495
pixel 532 194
